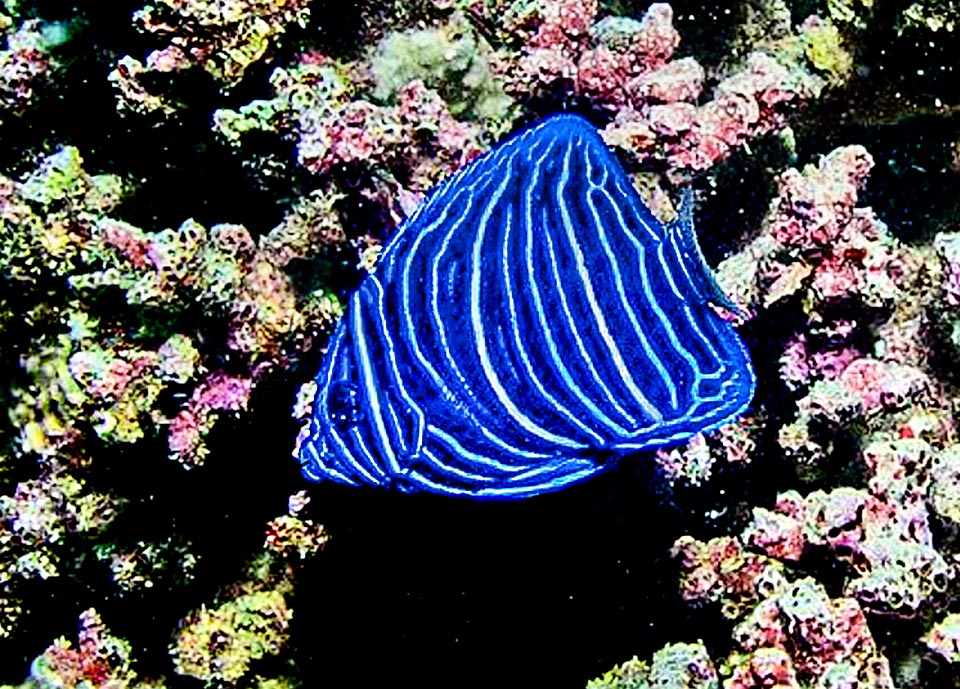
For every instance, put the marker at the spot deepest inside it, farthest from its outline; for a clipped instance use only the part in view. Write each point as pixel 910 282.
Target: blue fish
pixel 529 323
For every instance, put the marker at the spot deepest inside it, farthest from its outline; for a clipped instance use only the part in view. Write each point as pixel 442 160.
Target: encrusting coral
pixel 25 63
pixel 674 665
pixel 788 634
pixel 627 66
pixel 450 59
pixel 56 227
pixel 98 659
pixel 791 633
pixel 216 644
pixel 88 378
pixel 252 619
pixel 222 38
pixel 858 364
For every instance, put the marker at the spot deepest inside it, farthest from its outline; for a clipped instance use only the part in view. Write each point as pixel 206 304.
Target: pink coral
pixel 883 385
pixel 883 533
pixel 821 354
pixel 788 634
pixel 692 463
pixel 554 48
pixel 128 241
pixel 678 81
pixel 359 131
pixel 418 139
pixel 219 392
pixel 662 124
pixel 24 65
pixel 817 245
pixel 813 222
pixel 721 570
pixel 107 377
pixel 801 630
pixel 98 659
pixel 778 535
pixel 602 60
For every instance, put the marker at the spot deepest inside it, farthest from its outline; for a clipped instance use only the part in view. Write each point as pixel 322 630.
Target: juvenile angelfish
pixel 531 321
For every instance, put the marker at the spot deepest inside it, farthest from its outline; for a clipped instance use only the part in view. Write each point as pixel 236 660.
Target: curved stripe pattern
pixel 529 323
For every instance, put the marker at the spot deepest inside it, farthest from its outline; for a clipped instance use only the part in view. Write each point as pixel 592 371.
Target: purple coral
pixel 218 392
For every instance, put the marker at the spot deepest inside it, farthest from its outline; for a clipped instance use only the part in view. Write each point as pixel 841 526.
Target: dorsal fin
pixel 681 232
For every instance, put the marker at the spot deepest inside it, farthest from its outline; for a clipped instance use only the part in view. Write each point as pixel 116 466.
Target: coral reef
pixel 146 565
pixel 130 339
pixel 450 59
pixel 883 533
pixel 39 523
pixel 222 38
pixel 668 127
pixel 857 364
pixel 25 64
pixel 91 378
pixel 56 228
pixel 251 620
pixel 787 634
pixel 627 66
pixel 98 659
pixel 215 644
pixel 219 644
pixel 674 665
pixel 417 140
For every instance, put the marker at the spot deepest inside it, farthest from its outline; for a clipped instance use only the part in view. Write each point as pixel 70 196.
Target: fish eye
pixel 343 407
